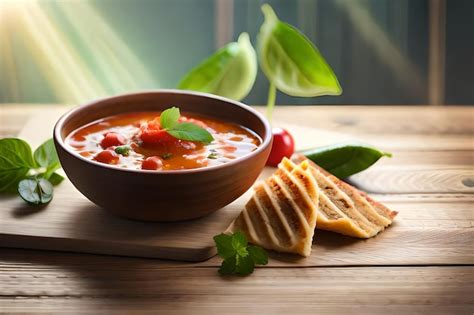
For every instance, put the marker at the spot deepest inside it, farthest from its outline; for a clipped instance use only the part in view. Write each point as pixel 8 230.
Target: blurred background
pixel 383 51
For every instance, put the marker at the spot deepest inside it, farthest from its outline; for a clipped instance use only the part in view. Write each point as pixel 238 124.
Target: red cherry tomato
pixel 112 139
pixel 107 157
pixel 283 146
pixel 152 163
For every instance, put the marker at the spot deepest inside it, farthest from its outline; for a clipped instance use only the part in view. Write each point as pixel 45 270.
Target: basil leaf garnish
pixel 169 117
pixel 190 132
pixel 169 121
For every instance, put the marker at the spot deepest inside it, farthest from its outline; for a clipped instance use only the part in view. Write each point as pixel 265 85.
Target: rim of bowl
pixel 265 142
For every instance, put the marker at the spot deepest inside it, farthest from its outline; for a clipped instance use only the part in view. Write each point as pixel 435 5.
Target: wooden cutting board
pixel 73 223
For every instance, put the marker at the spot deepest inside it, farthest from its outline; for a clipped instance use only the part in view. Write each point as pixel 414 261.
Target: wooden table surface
pixel 430 179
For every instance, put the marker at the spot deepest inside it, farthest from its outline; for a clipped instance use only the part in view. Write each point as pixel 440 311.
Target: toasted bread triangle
pixel 282 213
pixel 358 215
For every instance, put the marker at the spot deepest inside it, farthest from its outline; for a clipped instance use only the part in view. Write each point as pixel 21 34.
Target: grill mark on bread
pixel 245 222
pixel 283 199
pixel 274 219
pixel 350 211
pixel 267 210
pixel 373 213
pixel 364 206
pixel 287 218
pixel 295 193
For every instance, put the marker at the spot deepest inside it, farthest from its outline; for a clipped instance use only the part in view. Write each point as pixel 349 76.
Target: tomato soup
pixel 136 141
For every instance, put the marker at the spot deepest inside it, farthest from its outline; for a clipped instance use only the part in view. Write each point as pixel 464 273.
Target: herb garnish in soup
pixel 162 141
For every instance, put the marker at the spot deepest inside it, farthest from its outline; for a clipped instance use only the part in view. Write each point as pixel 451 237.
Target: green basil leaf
pixel 55 179
pixel 15 161
pixel 45 155
pixel 35 191
pixel 190 132
pixel 258 255
pixel 291 62
pixel 229 72
pixel 346 159
pixel 169 117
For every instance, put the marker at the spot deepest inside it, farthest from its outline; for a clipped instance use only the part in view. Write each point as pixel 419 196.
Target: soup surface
pixel 136 141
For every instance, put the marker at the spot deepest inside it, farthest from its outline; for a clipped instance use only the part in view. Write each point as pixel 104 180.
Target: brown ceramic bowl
pixel 167 195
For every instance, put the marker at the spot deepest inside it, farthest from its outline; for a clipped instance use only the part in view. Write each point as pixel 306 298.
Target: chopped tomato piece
pixel 151 134
pixel 112 139
pixel 156 136
pixel 107 157
pixel 152 163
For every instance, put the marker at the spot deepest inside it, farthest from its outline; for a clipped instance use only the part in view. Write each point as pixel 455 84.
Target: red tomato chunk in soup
pixel 137 141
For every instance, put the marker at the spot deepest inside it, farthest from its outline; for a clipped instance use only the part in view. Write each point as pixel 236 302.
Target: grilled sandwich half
pixel 343 208
pixel 282 213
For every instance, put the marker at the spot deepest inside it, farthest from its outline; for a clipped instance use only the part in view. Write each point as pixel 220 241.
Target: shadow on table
pixel 323 240
pixel 89 275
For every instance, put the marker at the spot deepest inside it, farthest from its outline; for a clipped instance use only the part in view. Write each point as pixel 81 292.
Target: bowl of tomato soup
pixel 164 155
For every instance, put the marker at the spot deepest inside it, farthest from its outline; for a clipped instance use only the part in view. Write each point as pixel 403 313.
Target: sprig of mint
pixel 29 174
pixel 169 121
pixel 239 257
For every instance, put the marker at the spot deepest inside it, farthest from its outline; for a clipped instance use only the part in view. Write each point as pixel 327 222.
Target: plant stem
pixel 271 100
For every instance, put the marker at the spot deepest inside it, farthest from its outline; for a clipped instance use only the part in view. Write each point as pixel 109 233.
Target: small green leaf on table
pixel 239 257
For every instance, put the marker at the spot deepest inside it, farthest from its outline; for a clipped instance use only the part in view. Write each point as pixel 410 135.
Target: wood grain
pixel 409 179
pixel 270 290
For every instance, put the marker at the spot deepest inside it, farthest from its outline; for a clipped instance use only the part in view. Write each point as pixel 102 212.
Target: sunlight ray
pixel 114 57
pixel 70 79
